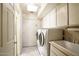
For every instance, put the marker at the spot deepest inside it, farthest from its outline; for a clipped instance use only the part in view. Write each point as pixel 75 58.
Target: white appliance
pixel 45 36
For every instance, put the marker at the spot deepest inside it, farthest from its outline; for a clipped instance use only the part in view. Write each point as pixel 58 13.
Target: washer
pixel 45 36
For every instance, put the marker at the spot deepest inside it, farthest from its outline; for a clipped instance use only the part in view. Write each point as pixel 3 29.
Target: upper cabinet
pixel 62 18
pixel 49 21
pixel 45 9
pixel 66 14
pixel 73 13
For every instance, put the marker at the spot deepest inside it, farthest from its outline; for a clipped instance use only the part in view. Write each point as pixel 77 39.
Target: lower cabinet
pixel 55 52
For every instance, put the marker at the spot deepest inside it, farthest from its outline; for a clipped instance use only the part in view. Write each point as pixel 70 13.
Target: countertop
pixel 67 47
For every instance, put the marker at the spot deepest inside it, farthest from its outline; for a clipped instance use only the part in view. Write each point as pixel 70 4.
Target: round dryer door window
pixel 41 39
pixel 36 35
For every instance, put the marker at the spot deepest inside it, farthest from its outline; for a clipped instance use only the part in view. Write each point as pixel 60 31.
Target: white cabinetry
pixel 62 14
pixel 55 52
pixel 73 13
pixel 49 21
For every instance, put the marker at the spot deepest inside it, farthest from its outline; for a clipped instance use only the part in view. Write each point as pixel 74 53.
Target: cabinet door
pixel 73 13
pixel 52 18
pixel 55 52
pixel 52 53
pixel 62 15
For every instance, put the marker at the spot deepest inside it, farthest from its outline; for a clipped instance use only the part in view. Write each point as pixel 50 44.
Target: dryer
pixel 47 35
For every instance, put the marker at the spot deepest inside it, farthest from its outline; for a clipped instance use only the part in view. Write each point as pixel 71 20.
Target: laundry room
pixel 39 29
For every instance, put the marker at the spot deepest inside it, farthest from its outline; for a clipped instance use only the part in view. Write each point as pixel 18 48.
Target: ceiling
pixel 24 7
pixel 42 10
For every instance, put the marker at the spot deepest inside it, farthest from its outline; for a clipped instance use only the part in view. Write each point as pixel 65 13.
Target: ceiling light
pixel 32 7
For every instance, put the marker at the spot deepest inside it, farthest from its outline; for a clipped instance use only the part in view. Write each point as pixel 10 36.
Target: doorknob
pixel 15 42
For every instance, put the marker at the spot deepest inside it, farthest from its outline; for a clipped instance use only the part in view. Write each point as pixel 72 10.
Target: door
pixel 0 25
pixel 29 27
pixel 73 14
pixel 41 39
pixel 62 15
pixel 9 42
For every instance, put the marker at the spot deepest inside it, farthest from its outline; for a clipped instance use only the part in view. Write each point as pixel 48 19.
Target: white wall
pixel 49 21
pixel 18 29
pixel 30 25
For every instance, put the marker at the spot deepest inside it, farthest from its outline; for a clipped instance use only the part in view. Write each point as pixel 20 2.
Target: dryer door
pixel 37 35
pixel 41 39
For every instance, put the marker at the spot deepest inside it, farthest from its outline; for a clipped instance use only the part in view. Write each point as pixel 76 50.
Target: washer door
pixel 37 35
pixel 41 39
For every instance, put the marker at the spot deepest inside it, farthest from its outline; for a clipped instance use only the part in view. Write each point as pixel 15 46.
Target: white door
pixel 29 27
pixel 9 42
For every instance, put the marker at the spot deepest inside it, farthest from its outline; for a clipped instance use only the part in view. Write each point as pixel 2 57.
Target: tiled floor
pixel 30 51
